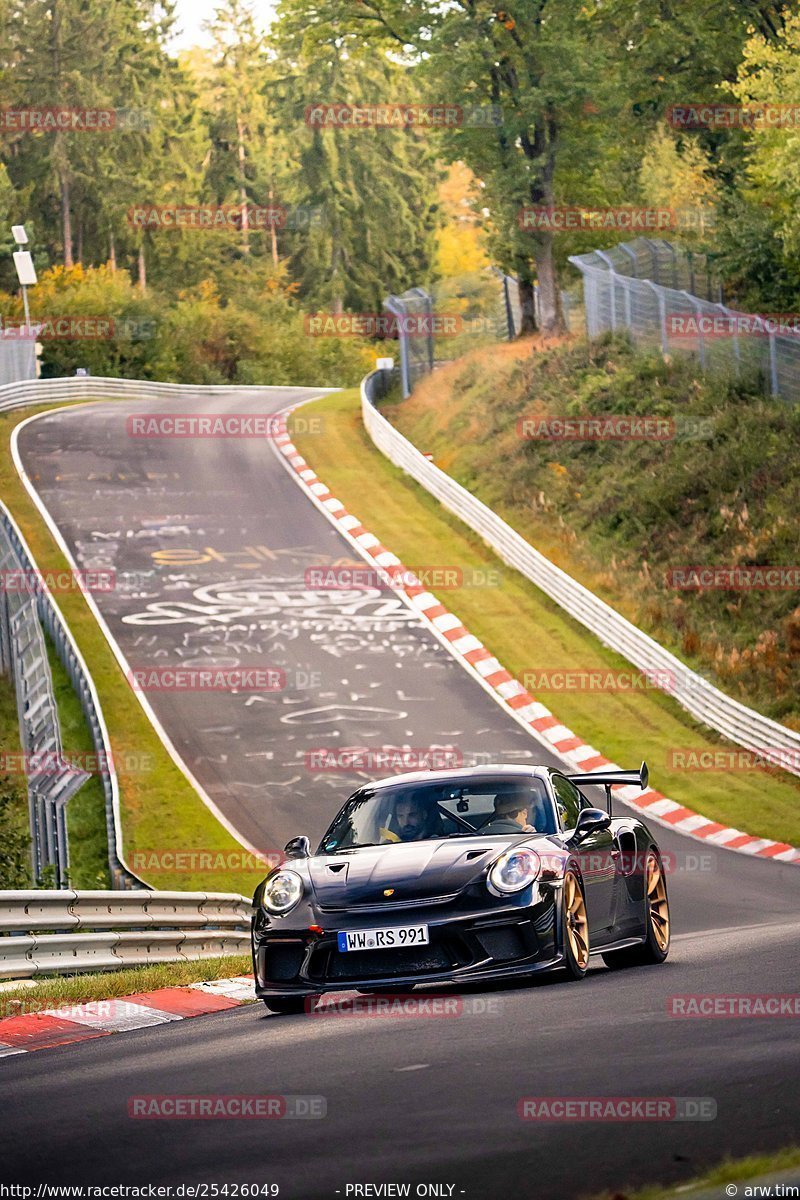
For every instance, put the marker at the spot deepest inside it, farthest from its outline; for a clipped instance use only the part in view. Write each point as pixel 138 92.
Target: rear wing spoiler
pixel 609 779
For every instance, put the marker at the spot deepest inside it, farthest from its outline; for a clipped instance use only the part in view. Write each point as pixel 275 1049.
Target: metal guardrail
pixel 740 724
pixel 66 932
pixel 23 619
pixel 23 655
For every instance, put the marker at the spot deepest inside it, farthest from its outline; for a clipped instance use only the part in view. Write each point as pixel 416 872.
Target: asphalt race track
pixel 211 541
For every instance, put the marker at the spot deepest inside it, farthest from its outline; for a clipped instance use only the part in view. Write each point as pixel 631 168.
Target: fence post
pixel 662 309
pixel 737 349
pixel 627 250
pixel 394 306
pixel 773 362
pixel 612 278
pixel 698 313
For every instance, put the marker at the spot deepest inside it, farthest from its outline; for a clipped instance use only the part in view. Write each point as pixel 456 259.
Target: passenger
pixel 510 814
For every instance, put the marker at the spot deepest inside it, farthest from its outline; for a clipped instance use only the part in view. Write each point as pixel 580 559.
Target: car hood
pixel 415 870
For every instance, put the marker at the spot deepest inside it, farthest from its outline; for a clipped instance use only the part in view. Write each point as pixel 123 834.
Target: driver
pixel 415 818
pixel 510 814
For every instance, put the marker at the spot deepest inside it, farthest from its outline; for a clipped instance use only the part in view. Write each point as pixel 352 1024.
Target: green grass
pixel 77 989
pixel 161 812
pixel 738 1170
pixel 526 630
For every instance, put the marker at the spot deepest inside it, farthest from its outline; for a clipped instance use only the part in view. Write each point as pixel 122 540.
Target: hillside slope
pixel 718 487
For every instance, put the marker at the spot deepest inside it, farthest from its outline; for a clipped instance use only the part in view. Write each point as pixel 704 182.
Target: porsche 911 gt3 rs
pixel 464 875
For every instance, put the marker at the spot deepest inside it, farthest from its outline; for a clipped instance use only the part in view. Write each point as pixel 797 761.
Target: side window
pixel 568 800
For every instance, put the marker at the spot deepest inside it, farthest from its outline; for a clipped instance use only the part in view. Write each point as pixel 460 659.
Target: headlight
pixel 514 870
pixel 282 891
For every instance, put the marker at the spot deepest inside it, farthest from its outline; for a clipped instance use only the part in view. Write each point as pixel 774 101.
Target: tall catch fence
pixel 456 315
pixel 669 300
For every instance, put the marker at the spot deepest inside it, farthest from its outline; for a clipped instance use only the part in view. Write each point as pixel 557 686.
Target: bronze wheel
pixel 657 903
pixel 656 925
pixel 576 927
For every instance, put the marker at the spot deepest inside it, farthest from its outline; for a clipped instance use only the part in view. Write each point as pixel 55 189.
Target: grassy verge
pixel 740 1170
pixel 527 631
pixel 161 812
pixel 77 989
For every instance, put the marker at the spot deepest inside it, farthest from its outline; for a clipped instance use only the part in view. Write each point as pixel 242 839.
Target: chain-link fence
pixel 659 261
pixel 673 318
pixel 458 314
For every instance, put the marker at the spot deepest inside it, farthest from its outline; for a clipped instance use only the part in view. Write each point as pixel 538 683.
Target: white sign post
pixel 26 271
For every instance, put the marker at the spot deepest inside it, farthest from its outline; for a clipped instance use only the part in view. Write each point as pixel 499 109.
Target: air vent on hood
pixel 472 854
pixel 336 868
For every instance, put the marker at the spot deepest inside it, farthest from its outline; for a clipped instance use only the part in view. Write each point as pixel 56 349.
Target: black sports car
pixel 447 876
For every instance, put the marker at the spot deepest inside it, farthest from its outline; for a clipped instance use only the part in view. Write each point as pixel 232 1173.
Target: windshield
pixel 419 811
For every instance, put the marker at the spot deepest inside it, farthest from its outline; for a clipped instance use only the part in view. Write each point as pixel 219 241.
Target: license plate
pixel 384 939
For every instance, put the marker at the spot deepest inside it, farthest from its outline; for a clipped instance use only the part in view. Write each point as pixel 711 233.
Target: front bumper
pixel 511 940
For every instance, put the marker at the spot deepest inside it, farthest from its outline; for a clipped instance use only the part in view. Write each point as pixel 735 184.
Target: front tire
pixel 575 927
pixel 655 947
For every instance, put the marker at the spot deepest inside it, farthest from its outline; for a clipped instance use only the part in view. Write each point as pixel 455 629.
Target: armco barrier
pixel 105 931
pixel 735 721
pixel 49 615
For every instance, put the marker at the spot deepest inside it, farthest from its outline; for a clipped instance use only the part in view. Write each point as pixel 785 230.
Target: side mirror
pixel 590 820
pixel 299 847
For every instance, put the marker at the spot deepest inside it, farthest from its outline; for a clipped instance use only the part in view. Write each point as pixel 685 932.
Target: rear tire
pixel 287 1004
pixel 655 947
pixel 575 927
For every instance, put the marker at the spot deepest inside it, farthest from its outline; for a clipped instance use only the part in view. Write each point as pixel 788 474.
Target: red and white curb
pixel 509 693
pixel 99 1018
